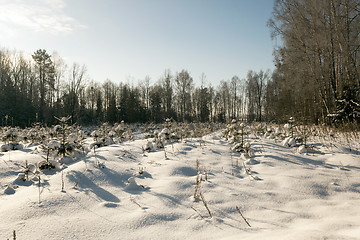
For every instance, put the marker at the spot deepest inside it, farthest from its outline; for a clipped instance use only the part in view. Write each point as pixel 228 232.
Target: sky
pixel 127 40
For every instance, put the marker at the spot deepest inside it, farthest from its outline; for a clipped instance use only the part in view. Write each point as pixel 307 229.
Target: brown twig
pixel 134 201
pixel 205 204
pixel 197 212
pixel 242 216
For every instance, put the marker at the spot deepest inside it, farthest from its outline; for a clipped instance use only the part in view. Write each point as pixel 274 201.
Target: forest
pixel 316 79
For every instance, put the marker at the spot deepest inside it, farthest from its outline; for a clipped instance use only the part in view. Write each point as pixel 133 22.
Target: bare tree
pixel 77 77
pixel 184 85
pixel 318 61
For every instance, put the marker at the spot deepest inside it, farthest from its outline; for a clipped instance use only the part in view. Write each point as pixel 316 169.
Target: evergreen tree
pixel 46 80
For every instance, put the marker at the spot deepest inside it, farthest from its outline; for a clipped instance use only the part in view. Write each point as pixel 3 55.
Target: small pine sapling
pixel 47 164
pixel 304 132
pixel 65 146
pixel 28 169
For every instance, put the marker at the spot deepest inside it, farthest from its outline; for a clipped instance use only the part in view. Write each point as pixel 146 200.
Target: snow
pixel 121 192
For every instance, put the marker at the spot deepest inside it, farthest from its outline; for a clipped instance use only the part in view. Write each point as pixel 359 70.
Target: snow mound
pixel 302 149
pixel 251 161
pixel 185 171
pixel 133 186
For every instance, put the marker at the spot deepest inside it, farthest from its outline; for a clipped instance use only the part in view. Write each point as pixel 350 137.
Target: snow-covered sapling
pixel 304 133
pixel 291 122
pixel 120 129
pixel 48 148
pixel 290 140
pixel 28 169
pixel 66 145
pixel 32 135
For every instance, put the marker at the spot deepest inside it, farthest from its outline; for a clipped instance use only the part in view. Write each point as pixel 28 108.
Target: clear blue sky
pixel 124 40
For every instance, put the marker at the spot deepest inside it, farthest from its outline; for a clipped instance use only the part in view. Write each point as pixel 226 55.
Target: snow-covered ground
pixel 120 192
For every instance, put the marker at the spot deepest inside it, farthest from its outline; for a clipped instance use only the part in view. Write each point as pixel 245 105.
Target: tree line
pixel 37 88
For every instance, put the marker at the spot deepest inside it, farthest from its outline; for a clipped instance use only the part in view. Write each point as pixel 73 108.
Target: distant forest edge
pixel 316 79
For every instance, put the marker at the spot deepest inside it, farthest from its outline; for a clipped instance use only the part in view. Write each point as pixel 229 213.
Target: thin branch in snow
pixel 197 212
pixel 205 204
pixel 242 216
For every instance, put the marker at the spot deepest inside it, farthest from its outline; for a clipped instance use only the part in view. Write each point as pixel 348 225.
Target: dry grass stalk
pixel 39 189
pixel 197 187
pixel 205 204
pixel 165 152
pixel 242 216
pixel 135 202
pixel 62 181
pixel 248 171
pixel 197 166
pixel 197 212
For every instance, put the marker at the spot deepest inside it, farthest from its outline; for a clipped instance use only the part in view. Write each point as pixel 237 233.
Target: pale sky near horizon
pixel 125 40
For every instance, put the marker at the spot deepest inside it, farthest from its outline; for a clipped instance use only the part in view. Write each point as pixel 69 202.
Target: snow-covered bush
pixel 147 147
pixel 95 134
pixel 289 142
pixel 48 165
pixel 33 135
pixel 11 138
pixel 120 128
pixel 244 148
pixel 302 149
pixel 103 136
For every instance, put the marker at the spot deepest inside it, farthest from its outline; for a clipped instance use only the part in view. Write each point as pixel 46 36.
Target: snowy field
pixel 198 188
